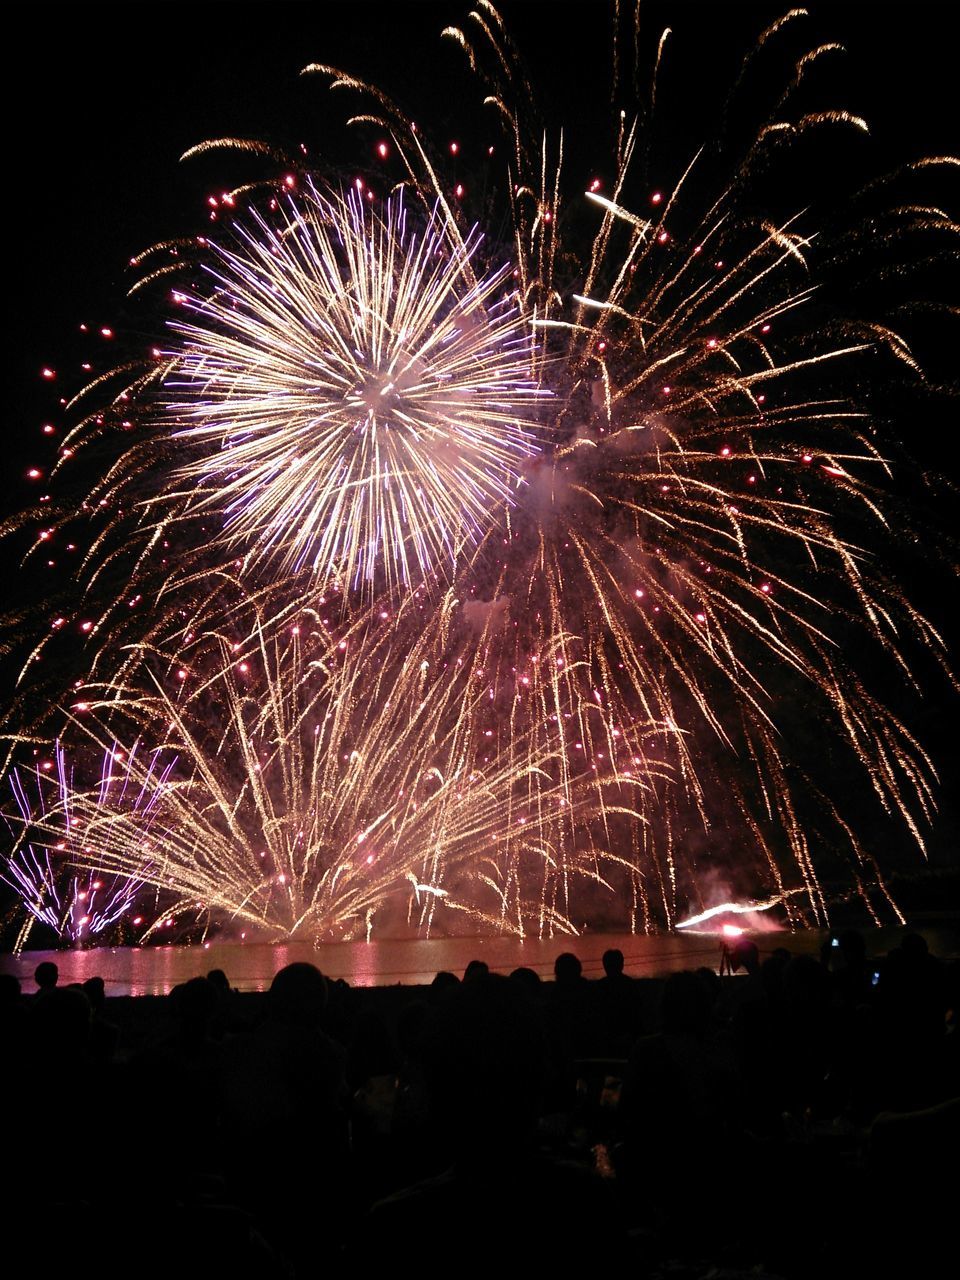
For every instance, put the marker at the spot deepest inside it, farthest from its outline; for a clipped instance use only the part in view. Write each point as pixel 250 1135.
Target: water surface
pixel 251 965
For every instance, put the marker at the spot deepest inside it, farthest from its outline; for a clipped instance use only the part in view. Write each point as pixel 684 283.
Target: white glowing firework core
pixel 356 400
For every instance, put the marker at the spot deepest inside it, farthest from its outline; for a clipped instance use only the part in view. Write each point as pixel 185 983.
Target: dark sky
pixel 107 97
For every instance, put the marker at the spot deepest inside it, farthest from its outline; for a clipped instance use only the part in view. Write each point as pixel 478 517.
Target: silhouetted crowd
pixel 799 1118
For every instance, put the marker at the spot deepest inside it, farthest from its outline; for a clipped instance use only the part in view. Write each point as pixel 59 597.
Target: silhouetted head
pixel 196 1003
pixel 527 979
pixel 744 955
pixel 567 968
pixel 61 1022
pixel 219 981
pixel 805 982
pixel 684 1005
pixel 9 990
pixel 772 970
pixel 45 975
pixel 914 946
pixel 613 962
pixel 444 980
pixel 298 995
pixel 95 991
pixel 476 969
pixel 483 1063
pixel 852 948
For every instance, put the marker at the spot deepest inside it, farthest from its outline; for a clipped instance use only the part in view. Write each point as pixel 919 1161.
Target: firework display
pixel 313 785
pixel 506 586
pixel 364 395
pixel 57 827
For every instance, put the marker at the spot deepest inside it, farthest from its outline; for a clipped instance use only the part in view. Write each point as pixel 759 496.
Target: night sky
pixel 111 95
pixel 116 93
pixel 108 96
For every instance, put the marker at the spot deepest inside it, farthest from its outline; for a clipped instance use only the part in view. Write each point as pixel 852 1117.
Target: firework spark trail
pixel 668 516
pixel 355 400
pixel 640 516
pixel 320 784
pixel 730 909
pixel 57 828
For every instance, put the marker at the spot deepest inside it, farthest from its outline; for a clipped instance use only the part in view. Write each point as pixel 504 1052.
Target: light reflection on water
pixel 251 965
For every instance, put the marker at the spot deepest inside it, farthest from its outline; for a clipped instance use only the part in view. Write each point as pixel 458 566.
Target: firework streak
pixel 318 784
pixel 57 828
pixel 514 594
pixel 356 397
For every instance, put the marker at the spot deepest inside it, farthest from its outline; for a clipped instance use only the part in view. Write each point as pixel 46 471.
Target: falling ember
pixel 45 871
pixel 453 470
pixel 434 804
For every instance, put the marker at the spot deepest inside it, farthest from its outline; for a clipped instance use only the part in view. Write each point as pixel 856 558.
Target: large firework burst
pixel 624 521
pixel 356 399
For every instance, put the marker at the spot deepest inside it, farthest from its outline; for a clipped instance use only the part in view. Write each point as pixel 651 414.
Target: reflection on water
pixel 250 966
